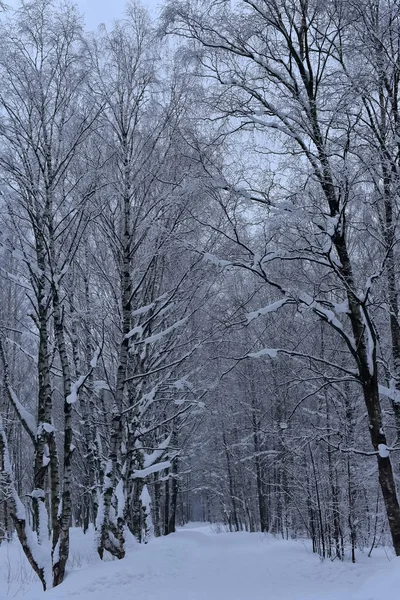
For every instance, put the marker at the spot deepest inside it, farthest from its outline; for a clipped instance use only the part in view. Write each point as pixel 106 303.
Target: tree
pixel 269 55
pixel 43 130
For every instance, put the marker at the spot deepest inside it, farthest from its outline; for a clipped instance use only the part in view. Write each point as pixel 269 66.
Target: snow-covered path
pixel 196 564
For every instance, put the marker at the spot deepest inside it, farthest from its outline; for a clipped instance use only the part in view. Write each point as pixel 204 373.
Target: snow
pixel 41 557
pixel 324 312
pixel 370 345
pixel 267 309
pixel 99 385
pixel 57 278
pixel 385 583
pixel 43 534
pixel 44 426
pixel 138 330
pixel 23 413
pixel 215 260
pixel 342 307
pixel 391 393
pixel 76 386
pixel 142 310
pixel 157 336
pixel 48 427
pixel 271 352
pixel 368 286
pixel 183 383
pixel 148 399
pixel 40 552
pixel 150 459
pixel 383 450
pixel 46 456
pixel 331 225
pixel 93 362
pixel 146 503
pixel 197 563
pixel 142 473
pixel 120 494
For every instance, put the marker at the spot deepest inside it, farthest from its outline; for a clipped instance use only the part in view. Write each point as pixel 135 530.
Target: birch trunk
pixel 114 467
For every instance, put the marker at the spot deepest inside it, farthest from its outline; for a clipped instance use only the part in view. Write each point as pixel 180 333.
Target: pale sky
pixel 104 11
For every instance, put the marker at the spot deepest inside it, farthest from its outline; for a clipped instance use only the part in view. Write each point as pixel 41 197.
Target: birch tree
pixel 43 130
pixel 144 222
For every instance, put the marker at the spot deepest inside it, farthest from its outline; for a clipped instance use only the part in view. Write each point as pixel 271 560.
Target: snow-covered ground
pixel 196 563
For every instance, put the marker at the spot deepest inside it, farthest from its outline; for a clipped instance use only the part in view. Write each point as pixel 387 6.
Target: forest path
pixel 197 564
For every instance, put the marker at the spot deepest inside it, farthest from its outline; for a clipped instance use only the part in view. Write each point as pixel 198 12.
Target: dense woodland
pixel 199 264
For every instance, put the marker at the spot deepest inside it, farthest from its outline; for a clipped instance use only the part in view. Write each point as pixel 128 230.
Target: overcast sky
pixel 104 11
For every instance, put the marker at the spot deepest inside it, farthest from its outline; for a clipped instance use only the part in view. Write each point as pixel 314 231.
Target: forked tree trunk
pixel 114 469
pixel 61 549
pixel 24 532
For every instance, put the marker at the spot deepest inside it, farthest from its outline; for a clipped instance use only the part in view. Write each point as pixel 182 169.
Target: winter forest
pixel 200 275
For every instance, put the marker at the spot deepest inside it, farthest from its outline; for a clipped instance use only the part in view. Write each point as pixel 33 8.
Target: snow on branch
pixel 25 416
pixel 143 473
pixel 150 459
pixel 75 388
pixel 27 419
pixel 368 285
pixel 390 393
pixel 322 311
pixel 138 330
pixel 79 383
pixel 272 353
pixel 93 362
pixel 59 276
pixel 154 338
pixel 143 310
pixel 383 450
pixel 211 258
pixel 267 309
